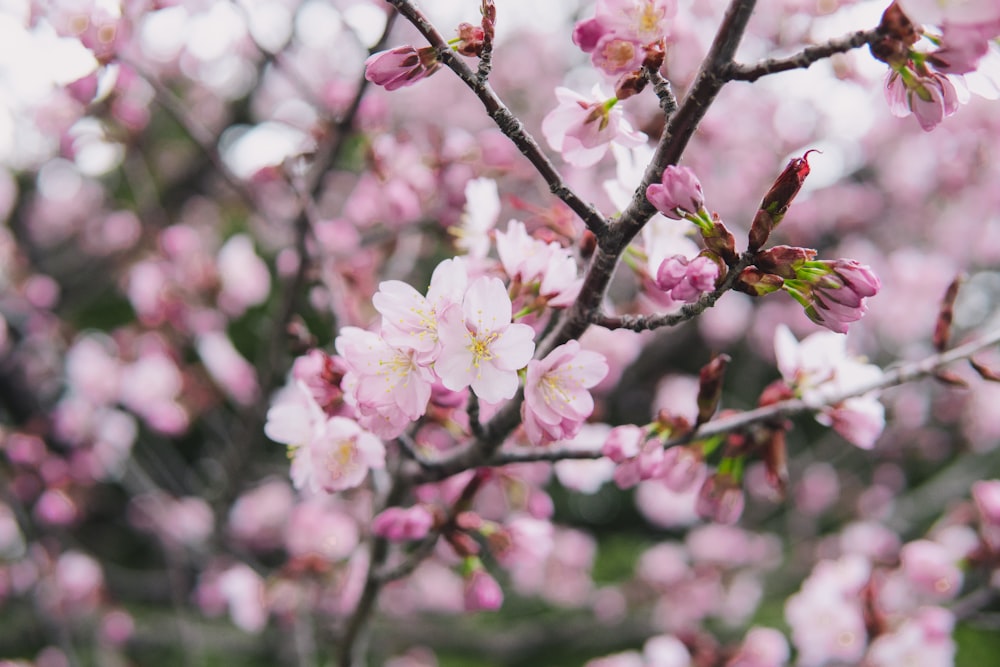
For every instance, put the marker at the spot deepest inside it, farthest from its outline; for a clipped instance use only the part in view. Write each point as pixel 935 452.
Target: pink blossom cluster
pixel 621 32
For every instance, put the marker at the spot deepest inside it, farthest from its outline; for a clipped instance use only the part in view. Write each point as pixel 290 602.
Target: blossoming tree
pixel 504 281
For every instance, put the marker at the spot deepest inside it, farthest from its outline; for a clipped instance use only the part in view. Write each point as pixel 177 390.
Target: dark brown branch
pixel 802 59
pixel 508 123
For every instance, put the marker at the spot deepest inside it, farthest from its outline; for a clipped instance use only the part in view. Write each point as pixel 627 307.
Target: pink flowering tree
pixel 643 333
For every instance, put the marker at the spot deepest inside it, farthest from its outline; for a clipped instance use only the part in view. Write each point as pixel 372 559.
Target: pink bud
pixel 400 524
pixel 482 592
pixel 678 193
pixel 401 66
pixel 720 499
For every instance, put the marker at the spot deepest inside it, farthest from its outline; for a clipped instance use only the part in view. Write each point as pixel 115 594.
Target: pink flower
pixel 582 129
pixel 342 453
pixel 986 495
pixel 762 647
pixel 621 30
pixel 482 592
pixel 929 97
pixel 399 524
pixel 678 193
pixel 681 469
pixel 329 454
pixel 401 66
pixel 638 458
pixel 556 400
pixel 931 569
pixel 480 347
pixel 826 617
pixel 922 641
pixel 387 384
pixel 410 320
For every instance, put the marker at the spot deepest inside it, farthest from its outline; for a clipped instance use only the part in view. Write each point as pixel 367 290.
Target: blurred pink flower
pixel 399 524
pixel 482 592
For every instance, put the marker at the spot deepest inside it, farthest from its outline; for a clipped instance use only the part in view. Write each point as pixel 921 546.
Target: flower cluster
pixel 622 32
pixel 921 82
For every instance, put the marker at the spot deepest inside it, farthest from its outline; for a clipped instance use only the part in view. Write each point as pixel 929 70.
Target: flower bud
pixel 755 282
pixel 482 592
pixel 629 84
pixel 710 387
pixel 720 240
pixel 401 66
pixel 781 260
pixel 470 39
pixel 777 200
pixel 678 193
pixel 720 499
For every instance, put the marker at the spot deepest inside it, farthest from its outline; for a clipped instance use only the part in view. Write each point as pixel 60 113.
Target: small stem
pixel 508 123
pixel 802 59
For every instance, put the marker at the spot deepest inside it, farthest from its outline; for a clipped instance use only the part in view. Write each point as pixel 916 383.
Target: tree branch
pixel 801 60
pixel 508 123
pixel 893 377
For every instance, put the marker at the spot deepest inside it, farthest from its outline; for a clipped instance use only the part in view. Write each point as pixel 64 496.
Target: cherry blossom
pixel 480 347
pixel 581 128
pixel 556 400
pixel 819 367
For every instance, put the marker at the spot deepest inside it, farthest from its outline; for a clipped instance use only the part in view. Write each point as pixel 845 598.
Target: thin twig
pixel 687 312
pixel 890 378
pixel 802 59
pixel 508 123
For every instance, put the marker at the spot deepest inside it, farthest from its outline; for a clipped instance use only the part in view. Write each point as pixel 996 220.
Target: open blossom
pixel 330 454
pixel 819 367
pixel 409 319
pixel 929 98
pixel 530 260
pixel 386 384
pixel 582 129
pixel 556 400
pixel 480 347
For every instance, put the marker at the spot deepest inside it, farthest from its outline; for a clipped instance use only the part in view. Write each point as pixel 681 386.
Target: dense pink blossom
pixel 556 400
pixel 386 384
pixel 329 454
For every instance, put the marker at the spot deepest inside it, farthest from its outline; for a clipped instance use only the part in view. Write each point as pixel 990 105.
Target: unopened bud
pixel 655 54
pixel 629 84
pixel 777 200
pixel 710 387
pixel 942 329
pixel 470 39
pixel 720 240
pixel 755 282
pixel 782 260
